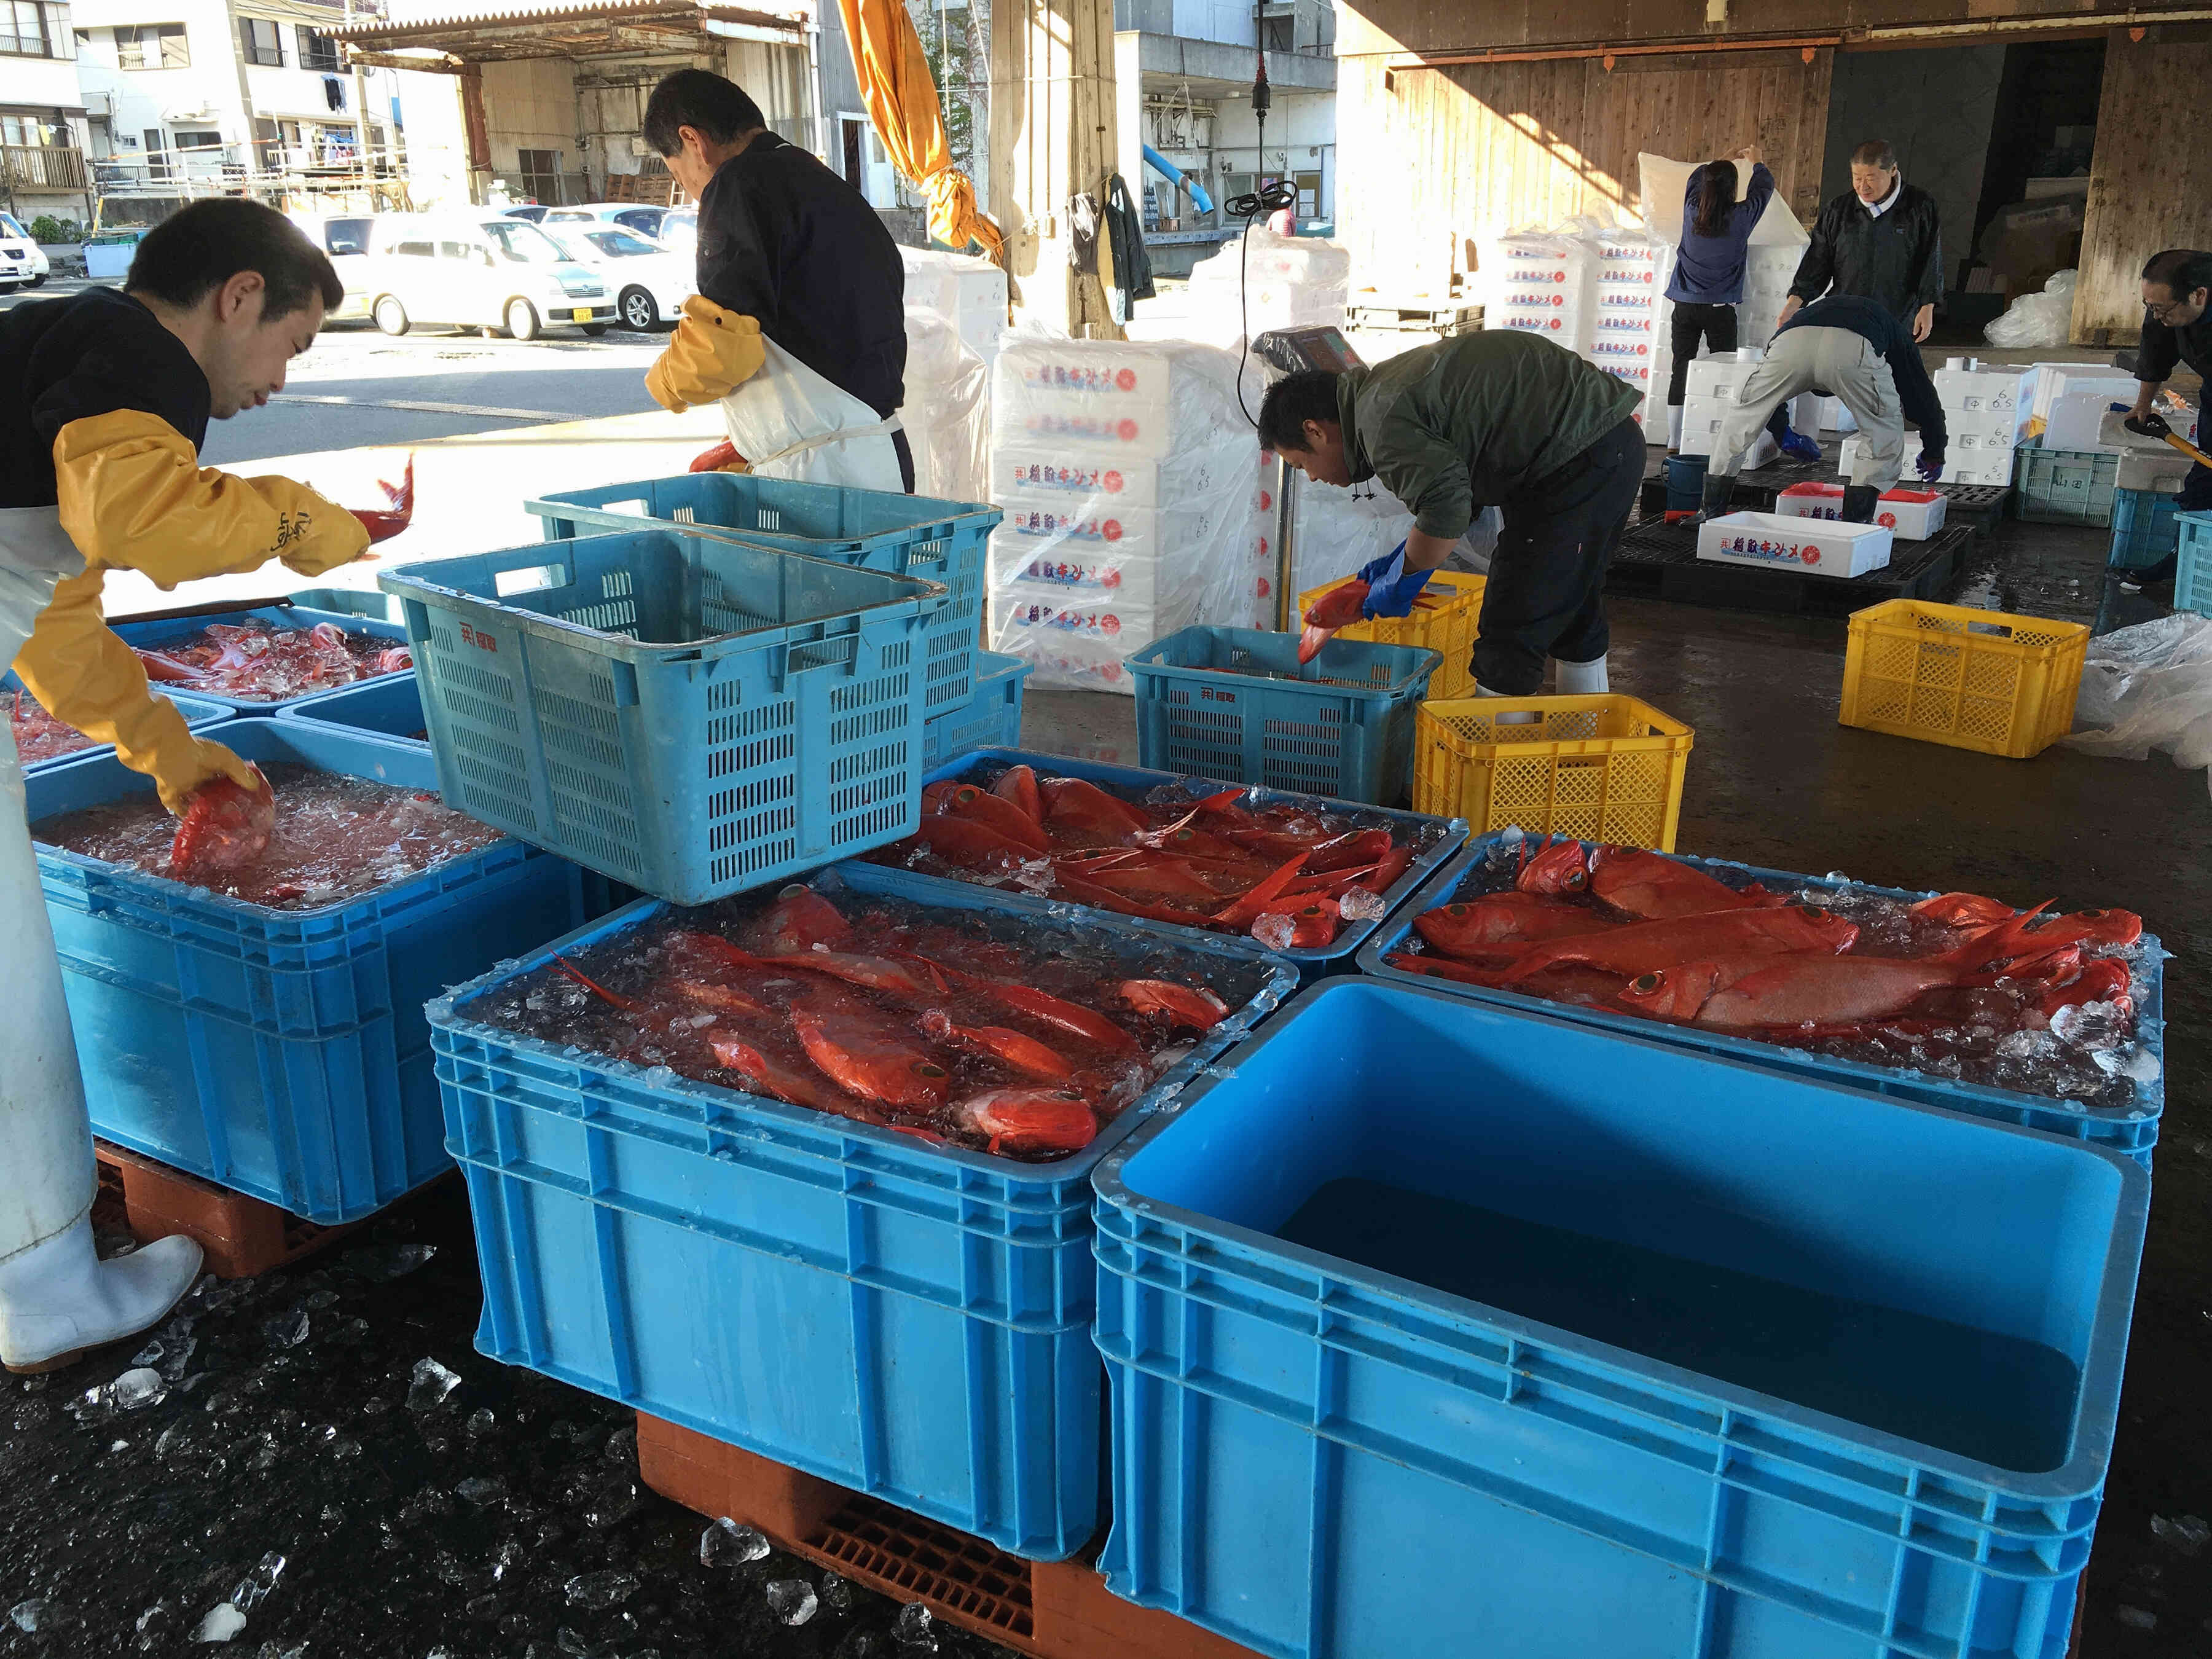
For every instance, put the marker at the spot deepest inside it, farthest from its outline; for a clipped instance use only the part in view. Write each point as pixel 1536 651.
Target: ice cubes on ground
pixel 727 1544
pixel 837 1593
pixel 222 1622
pixel 431 1383
pixel 257 1583
pixel 1275 931
pixel 30 1616
pixel 914 1630
pixel 602 1590
pixel 479 1490
pixel 286 1330
pixel 482 1424
pixel 1361 904
pixel 381 1263
pixel 138 1387
pixel 2186 1532
pixel 792 1600
pixel 2137 1617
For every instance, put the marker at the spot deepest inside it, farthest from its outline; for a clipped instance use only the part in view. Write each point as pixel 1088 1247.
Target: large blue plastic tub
pixel 877 529
pixel 198 713
pixel 281 1052
pixel 1135 782
pixel 2144 529
pixel 908 1322
pixel 1436 1328
pixel 2134 1130
pixel 389 707
pixel 154 633
pixel 990 719
pixel 1236 703
pixel 691 717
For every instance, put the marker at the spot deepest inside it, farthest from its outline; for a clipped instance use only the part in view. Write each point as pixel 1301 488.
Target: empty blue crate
pixel 1236 703
pixel 876 529
pixel 2193 569
pixel 1436 1328
pixel 152 633
pixel 992 717
pixel 2132 1129
pixel 2143 529
pixel 689 716
pixel 390 707
pixel 909 1322
pixel 281 1053
pixel 198 715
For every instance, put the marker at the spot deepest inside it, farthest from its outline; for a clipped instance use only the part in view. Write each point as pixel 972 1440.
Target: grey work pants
pixel 1838 363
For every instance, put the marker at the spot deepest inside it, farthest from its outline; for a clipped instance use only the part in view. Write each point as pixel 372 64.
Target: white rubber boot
pixel 1581 679
pixel 1508 717
pixel 1674 428
pixel 57 1299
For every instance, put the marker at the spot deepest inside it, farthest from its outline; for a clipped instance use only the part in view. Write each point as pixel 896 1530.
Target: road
pixel 357 386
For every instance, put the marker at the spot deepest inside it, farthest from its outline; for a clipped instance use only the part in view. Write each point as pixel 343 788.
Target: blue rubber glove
pixel 1800 446
pixel 1929 467
pixel 1391 588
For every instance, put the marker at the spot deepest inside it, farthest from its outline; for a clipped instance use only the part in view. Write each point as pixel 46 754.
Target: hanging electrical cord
pixel 1269 198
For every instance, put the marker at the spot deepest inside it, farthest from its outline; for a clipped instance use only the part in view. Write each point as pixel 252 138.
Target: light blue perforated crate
pixel 991 719
pixel 198 713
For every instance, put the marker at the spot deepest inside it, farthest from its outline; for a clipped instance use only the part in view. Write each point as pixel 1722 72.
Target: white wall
pixel 531 104
pixel 1216 20
pixel 437 139
pixel 46 82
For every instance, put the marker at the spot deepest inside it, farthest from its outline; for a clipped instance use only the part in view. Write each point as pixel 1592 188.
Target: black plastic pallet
pixel 1660 561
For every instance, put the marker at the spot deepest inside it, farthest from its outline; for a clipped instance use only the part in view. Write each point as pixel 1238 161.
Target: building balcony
pixel 43 167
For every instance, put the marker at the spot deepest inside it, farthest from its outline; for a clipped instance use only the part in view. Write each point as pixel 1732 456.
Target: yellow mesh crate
pixel 1447 628
pixel 1602 768
pixel 1972 679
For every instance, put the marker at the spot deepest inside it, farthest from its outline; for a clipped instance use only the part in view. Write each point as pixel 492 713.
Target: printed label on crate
pixel 1104 428
pixel 1638 326
pixel 1086 623
pixel 1615 275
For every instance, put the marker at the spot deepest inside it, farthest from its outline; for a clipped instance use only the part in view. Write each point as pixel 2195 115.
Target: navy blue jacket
pixel 1872 321
pixel 1709 272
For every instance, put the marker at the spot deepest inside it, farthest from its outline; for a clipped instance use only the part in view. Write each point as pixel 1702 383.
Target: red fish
pixel 1077 804
pixel 1156 877
pixel 1643 946
pixel 799 919
pixel 1313 926
pixel 1084 890
pixel 2105 979
pixel 2104 927
pixel 1501 923
pixel 382 523
pixel 1338 608
pixel 768 1072
pixel 1433 967
pixel 1258 902
pixel 1823 992
pixel 724 999
pixel 1181 1005
pixel 569 970
pixel 1643 884
pixel 1089 1025
pixel 1391 866
pixel 965 801
pixel 864 1052
pixel 968 842
pixel 1019 784
pixel 225 828
pixel 167 670
pixel 1345 851
pixel 1963 909
pixel 1015 1050
pixel 1028 1120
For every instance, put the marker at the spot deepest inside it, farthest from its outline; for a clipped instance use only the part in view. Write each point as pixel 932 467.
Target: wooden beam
pixel 444 63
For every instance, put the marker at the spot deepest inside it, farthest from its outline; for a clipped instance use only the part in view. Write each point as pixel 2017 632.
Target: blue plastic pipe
pixel 1175 175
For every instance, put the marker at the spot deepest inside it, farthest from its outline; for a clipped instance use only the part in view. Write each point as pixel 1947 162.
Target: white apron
pixel 46 1174
pixel 790 422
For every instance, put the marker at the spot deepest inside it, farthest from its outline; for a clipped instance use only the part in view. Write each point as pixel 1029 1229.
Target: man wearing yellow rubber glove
pixel 799 327
pixel 108 396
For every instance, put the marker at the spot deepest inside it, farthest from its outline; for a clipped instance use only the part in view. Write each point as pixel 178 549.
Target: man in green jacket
pixel 1488 419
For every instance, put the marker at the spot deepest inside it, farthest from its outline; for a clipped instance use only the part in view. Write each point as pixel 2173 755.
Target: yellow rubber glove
pixel 712 354
pixel 90 679
pixel 134 496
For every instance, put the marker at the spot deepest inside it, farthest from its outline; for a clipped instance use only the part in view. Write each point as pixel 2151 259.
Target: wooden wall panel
pixel 1433 154
pixel 2151 187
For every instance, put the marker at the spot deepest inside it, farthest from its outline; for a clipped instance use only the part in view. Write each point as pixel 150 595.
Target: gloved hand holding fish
pixel 383 524
pixel 1383 587
pixel 1638 933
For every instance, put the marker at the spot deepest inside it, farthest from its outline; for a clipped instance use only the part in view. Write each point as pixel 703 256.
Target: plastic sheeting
pixel 970 292
pixel 2149 688
pixel 1129 481
pixel 1262 282
pixel 947 413
pixel 2045 319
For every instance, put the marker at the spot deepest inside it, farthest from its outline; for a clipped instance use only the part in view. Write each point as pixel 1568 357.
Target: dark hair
pixel 2181 270
pixel 718 108
pixel 1876 153
pixel 198 248
pixel 1308 395
pixel 1715 197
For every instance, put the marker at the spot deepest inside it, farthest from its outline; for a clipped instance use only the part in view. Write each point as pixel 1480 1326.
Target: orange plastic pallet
pixel 1050 1610
pixel 241 1236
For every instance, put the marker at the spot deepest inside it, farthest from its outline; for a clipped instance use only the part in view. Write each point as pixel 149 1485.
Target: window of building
pixel 541 173
pixel 152 46
pixel 30 28
pixel 32 132
pixel 317 51
pixel 263 40
pixel 1278 33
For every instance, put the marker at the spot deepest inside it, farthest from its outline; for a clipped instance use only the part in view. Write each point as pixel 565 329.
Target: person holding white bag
pixel 799 327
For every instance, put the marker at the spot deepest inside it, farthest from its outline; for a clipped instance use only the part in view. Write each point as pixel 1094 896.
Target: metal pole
pixel 1286 482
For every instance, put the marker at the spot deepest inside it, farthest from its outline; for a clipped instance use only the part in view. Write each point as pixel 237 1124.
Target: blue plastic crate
pixel 155 632
pixel 2133 1132
pixel 991 719
pixel 691 717
pixel 2143 529
pixel 2192 570
pixel 281 1053
pixel 366 602
pixel 391 707
pixel 1436 1328
pixel 1340 725
pixel 198 713
pixel 877 529
pixel 908 1322
pixel 1335 957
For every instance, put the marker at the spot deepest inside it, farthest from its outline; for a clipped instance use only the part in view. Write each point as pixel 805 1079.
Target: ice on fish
pixel 1274 930
pixel 256 663
pixel 1361 905
pixel 727 1544
pixel 792 1600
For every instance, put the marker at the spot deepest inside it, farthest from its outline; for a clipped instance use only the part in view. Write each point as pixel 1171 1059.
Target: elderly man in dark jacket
pixel 1879 239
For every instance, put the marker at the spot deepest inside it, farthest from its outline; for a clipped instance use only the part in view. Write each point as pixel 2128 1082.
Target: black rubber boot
pixel 1718 489
pixel 1858 503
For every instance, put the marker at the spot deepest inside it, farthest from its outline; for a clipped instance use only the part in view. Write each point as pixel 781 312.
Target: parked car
pixel 679 231
pixel 484 270
pixel 651 283
pixel 528 210
pixel 22 263
pixel 643 219
pixel 345 237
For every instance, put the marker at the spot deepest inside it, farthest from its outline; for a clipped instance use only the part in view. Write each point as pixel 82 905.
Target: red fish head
pixel 1185 1005
pixel 1806 928
pixel 1963 910
pixel 1339 607
pixel 1560 868
pixel 800 919
pixel 2095 927
pixel 1674 994
pixel 1031 1120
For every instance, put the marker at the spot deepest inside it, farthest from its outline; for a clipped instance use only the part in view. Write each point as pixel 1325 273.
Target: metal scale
pixel 1287 351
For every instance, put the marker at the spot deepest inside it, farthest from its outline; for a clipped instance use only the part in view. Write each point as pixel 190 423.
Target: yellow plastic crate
pixel 1447 628
pixel 1973 679
pixel 1604 767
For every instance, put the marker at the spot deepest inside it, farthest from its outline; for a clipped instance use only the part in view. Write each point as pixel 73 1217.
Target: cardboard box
pixel 1913 514
pixel 1814 547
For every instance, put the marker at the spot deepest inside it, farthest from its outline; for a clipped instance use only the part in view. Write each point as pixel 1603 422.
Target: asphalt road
pixel 358 386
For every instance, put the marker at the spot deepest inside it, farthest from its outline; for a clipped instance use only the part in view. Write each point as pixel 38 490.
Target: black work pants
pixel 1714 325
pixel 1546 596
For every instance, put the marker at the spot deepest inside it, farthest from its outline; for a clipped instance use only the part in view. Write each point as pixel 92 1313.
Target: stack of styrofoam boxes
pixel 2150 464
pixel 2072 400
pixel 970 290
pixel 1542 284
pixel 1127 476
pixel 1629 325
pixel 1268 282
pixel 1986 412
pixel 1769 269
pixel 1712 387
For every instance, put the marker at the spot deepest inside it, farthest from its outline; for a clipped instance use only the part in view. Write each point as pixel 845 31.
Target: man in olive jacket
pixel 1879 239
pixel 1492 419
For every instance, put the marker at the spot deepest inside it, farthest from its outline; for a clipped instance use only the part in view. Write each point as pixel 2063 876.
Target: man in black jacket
pixel 2177 293
pixel 1879 238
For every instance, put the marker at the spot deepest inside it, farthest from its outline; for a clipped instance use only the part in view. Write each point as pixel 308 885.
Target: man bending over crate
pixel 109 397
pixel 1850 348
pixel 1493 419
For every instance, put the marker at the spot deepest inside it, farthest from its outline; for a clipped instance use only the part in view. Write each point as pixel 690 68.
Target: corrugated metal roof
pixel 417 30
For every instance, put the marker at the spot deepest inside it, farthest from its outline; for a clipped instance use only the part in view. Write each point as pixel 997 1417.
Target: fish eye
pixel 1575 879
pixel 1454 910
pixel 1644 983
pixel 2094 915
pixel 965 793
pixel 1814 913
pixel 923 1068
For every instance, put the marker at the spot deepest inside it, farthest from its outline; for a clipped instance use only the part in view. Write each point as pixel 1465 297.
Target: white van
pixel 479 271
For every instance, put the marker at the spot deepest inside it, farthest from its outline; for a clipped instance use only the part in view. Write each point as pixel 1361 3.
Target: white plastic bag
pixel 947 413
pixel 2038 320
pixel 2149 687
pixel 1662 182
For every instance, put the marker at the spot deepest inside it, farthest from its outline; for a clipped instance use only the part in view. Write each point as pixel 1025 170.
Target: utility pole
pixel 361 114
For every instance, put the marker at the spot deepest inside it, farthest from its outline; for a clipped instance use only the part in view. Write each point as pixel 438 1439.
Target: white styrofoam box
pixel 1553 327
pixel 1134 555
pixel 968 289
pixel 1847 454
pixel 1975 450
pixel 1632 360
pixel 1150 399
pixel 1076 647
pixel 1914 514
pixel 1701 423
pixel 2056 381
pixel 1805 546
pixel 1721 374
pixel 1264 257
pixel 1995 428
pixel 1834 417
pixel 2075 419
pixel 2163 471
pixel 1985 391
pixel 2112 431
pixel 1071 474
pixel 1994 469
